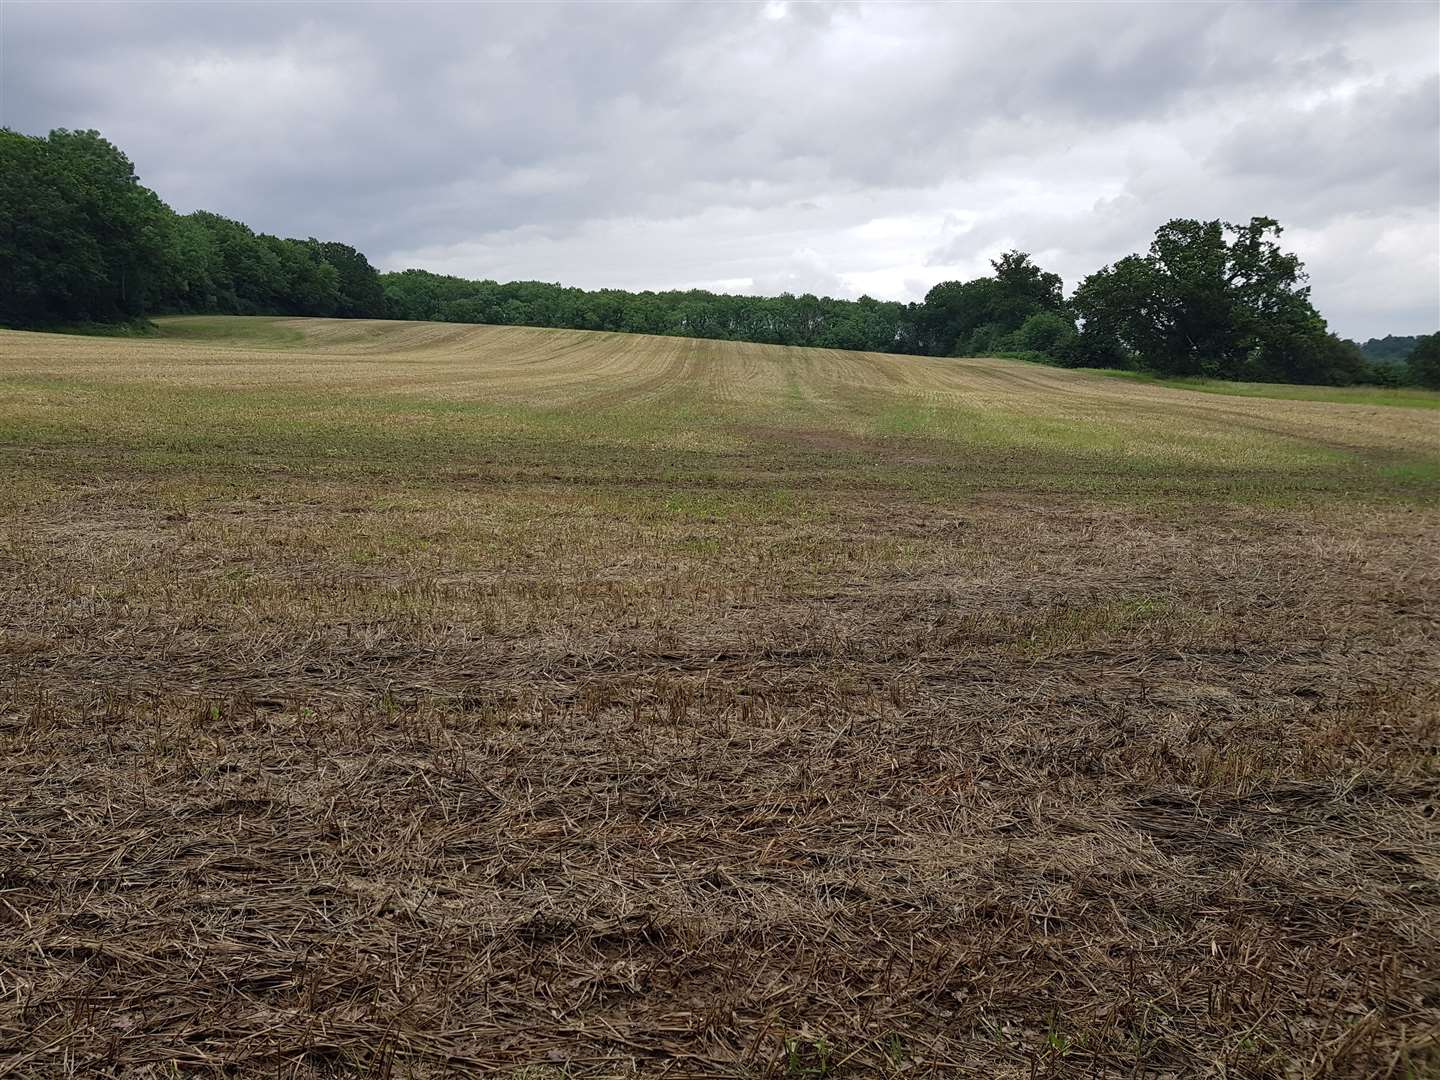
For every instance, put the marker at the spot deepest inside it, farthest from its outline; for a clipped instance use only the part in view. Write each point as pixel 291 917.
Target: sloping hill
pixel 648 391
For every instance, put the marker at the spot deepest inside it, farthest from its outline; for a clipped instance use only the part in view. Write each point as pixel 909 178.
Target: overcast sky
pixel 839 149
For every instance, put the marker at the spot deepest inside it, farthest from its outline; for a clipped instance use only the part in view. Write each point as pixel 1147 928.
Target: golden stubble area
pixel 409 700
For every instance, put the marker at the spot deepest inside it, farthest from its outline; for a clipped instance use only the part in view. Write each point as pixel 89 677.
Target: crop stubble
pixel 431 700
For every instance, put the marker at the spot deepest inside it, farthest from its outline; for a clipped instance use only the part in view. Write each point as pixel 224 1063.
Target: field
pixel 417 700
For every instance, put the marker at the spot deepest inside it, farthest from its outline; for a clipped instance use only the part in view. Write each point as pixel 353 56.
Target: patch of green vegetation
pixel 1125 447
pixel 1420 474
pixel 1402 397
pixel 257 331
pixel 1082 626
pixel 942 455
pixel 731 506
pixel 129 329
pixel 809 1057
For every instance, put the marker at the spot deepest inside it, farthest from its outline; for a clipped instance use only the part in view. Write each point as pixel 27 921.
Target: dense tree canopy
pixel 983 315
pixel 1216 300
pixel 867 324
pixel 1391 349
pixel 1424 362
pixel 82 241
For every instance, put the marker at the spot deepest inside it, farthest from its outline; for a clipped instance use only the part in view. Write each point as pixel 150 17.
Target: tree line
pixel 867 324
pixel 81 240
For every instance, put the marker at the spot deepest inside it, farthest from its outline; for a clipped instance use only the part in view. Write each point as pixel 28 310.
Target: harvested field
pixel 419 700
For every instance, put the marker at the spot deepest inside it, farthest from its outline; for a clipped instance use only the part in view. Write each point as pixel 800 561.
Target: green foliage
pixel 808 1057
pixel 223 267
pixel 966 318
pixel 865 324
pixel 81 241
pixel 1392 349
pixel 1317 357
pixel 1424 362
pixel 1379 373
pixel 1404 396
pixel 358 292
pixel 1201 305
pixel 1046 332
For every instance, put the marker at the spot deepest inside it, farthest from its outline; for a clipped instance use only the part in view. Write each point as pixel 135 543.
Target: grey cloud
pixel 671 144
pixel 1366 142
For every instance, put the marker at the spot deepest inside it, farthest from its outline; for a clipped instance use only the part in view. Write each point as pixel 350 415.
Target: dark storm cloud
pixel 844 148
